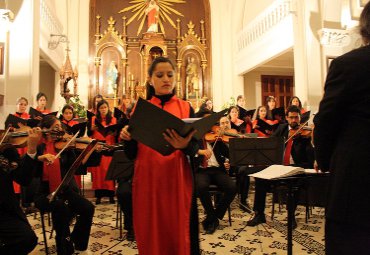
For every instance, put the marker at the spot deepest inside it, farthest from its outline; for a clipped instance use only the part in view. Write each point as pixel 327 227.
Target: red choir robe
pixel 46 111
pixel 99 172
pixel 162 194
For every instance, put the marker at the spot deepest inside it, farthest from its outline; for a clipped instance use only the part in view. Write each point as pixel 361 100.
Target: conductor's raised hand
pixel 124 134
pixel 177 141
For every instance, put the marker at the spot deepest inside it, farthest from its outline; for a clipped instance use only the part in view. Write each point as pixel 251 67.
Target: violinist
pixel 236 123
pixel 102 187
pixel 262 115
pixel 16 234
pixel 22 104
pixel 70 203
pixel 298 152
pixel 213 169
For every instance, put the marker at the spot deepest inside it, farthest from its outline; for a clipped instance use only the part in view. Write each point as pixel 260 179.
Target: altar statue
pixel 112 75
pixel 152 11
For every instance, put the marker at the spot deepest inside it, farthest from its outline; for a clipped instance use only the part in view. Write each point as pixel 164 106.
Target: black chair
pixel 215 191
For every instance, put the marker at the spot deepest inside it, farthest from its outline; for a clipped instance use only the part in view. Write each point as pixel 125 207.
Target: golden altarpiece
pixel 121 62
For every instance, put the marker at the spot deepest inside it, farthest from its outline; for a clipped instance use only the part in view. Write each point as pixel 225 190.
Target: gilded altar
pixel 121 61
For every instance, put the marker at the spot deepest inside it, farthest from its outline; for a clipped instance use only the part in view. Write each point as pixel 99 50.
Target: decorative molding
pixel 334 37
pixel 269 18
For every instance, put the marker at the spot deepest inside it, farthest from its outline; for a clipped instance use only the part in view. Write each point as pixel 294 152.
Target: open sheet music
pixel 278 171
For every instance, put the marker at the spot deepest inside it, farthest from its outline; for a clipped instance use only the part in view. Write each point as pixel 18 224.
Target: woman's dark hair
pixel 232 107
pixel 39 95
pixel 150 89
pixel 364 24
pixel 269 99
pixel 94 100
pixel 108 118
pixel 67 106
pixel 299 102
pixel 47 121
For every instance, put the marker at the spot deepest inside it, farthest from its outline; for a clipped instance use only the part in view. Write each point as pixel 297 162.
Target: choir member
pixel 295 101
pixel 41 100
pixel 102 187
pixel 262 115
pixel 236 123
pixel 164 208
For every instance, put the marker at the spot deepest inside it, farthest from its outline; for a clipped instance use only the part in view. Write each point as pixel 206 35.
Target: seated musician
pixel 69 203
pixel 213 170
pixel 298 152
pixel 16 234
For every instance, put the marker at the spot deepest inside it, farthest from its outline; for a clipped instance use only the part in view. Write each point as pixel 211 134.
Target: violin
pixel 80 143
pixel 18 138
pixel 217 134
pixel 302 131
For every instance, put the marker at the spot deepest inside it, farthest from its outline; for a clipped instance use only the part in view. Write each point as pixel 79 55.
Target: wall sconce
pixel 6 17
pixel 55 40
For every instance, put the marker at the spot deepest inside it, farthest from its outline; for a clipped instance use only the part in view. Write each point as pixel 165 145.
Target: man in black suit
pixel 342 146
pixel 213 170
pixel 16 234
pixel 298 152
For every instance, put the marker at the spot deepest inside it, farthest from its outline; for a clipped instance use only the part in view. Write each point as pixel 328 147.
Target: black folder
pixel 149 122
pixel 244 113
pixel 80 127
pixel 14 120
pixel 264 127
pixel 305 117
pixel 117 113
pixel 89 115
pixel 106 130
pixel 35 113
pixel 280 111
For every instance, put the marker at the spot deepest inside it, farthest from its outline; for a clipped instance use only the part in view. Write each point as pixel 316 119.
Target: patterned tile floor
pixel 266 239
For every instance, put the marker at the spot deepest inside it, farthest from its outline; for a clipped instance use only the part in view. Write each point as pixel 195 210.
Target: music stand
pixel 120 167
pixel 256 151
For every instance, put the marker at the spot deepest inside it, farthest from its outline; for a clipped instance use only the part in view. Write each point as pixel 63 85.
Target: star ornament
pixel 138 8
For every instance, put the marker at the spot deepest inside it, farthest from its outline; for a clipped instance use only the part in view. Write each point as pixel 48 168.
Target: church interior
pixel 73 50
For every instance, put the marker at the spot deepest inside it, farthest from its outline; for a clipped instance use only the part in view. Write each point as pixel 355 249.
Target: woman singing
pixel 163 185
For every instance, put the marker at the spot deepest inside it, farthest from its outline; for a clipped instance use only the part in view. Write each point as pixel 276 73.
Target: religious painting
pixel 2 55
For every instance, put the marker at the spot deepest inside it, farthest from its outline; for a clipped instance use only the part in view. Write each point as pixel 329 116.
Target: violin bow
pixel 6 133
pixel 71 171
pixel 68 143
